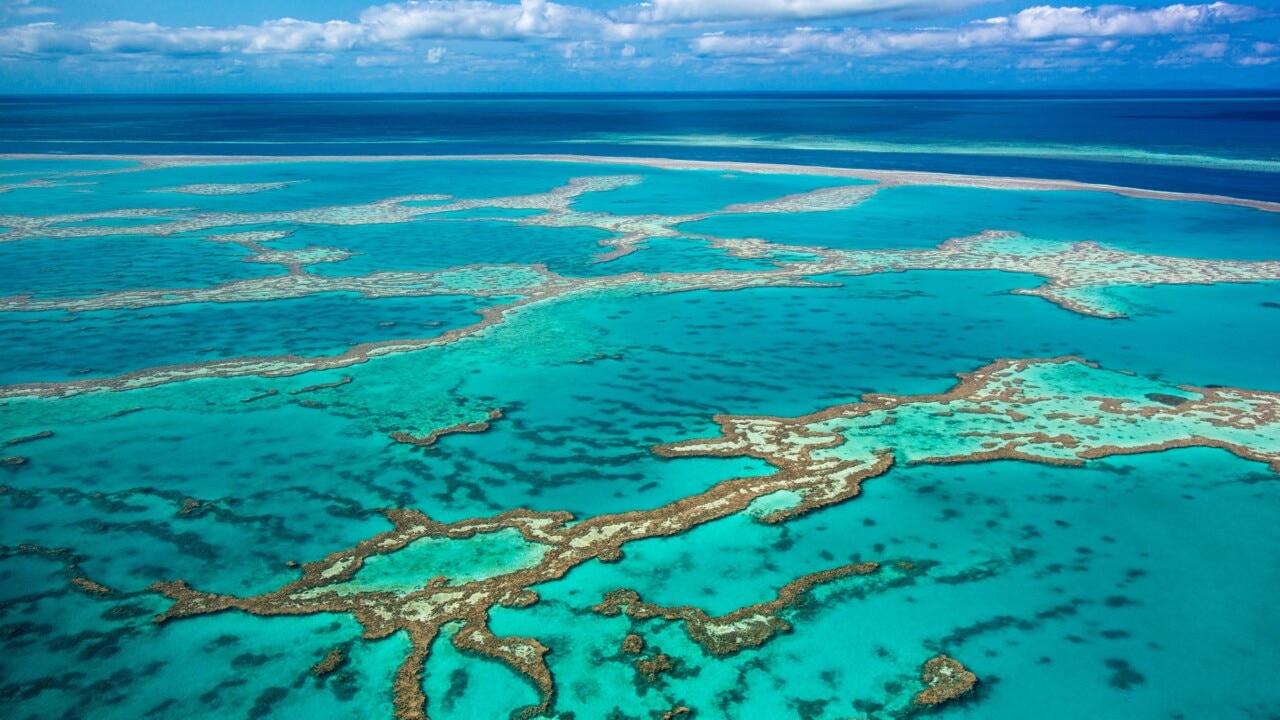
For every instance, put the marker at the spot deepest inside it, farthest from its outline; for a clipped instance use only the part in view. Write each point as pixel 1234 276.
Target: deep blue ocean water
pixel 1138 139
pixel 1138 586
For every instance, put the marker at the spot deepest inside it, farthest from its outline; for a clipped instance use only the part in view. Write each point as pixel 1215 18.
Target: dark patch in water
pixel 809 709
pixel 213 698
pixel 220 642
pixel 1165 399
pixel 344 686
pixel 867 708
pixel 264 702
pixel 25 632
pixel 1123 676
pixel 161 709
pixel 249 660
pixel 92 645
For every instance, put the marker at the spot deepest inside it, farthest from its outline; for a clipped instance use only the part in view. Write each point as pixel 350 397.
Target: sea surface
pixel 341 430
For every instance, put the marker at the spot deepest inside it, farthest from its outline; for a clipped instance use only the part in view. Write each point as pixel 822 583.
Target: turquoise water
pixel 921 217
pixel 106 343
pixel 700 191
pixel 451 243
pixel 1130 587
pixel 94 265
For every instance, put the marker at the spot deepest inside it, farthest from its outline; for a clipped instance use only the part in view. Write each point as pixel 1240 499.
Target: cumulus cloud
pixel 123 37
pixel 379 27
pixel 1115 20
pixel 486 20
pixel 675 32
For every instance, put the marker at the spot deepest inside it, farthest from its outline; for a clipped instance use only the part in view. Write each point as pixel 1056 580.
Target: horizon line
pixel 1148 92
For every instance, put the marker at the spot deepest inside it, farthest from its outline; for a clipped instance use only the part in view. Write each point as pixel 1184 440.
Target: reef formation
pixel 945 679
pixel 1061 411
pixel 1080 276
pixel 1038 410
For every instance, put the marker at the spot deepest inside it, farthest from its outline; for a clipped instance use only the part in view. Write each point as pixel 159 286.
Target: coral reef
pixel 225 188
pixel 1010 409
pixel 727 634
pixel 945 679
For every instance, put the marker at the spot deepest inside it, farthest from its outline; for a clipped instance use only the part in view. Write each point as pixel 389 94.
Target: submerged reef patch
pixel 225 188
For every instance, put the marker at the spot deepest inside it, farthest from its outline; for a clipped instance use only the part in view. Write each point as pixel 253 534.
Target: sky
pixel 79 46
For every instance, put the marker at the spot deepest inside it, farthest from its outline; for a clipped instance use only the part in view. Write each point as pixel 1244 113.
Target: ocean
pixel 642 406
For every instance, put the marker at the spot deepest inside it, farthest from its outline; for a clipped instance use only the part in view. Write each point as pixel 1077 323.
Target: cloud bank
pixel 706 37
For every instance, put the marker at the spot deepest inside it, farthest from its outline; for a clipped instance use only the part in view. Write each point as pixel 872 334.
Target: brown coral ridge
pixel 429 440
pixel 43 434
pixel 945 679
pixel 789 443
pixel 191 508
pixel 746 627
pixel 652 669
pixel 423 613
pixel 331 662
pixel 633 644
pixel 323 386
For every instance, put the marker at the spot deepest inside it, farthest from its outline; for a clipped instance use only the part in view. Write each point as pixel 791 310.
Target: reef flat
pixel 507 436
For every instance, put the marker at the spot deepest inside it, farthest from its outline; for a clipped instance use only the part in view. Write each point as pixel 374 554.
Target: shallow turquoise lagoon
pixel 689 192
pixel 447 242
pixel 681 255
pixel 1134 586
pixel 925 216
pixel 308 185
pixel 58 345
pixel 95 265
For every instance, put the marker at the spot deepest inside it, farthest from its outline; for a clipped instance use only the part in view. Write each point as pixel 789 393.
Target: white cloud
pixel 1115 20
pixel 684 11
pixel 1043 26
pixel 22 9
pixel 386 27
pixel 672 32
pixel 1208 51
pixel 476 19
pixel 123 37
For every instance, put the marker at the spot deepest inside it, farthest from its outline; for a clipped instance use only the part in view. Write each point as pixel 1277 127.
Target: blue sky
pixel 538 45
